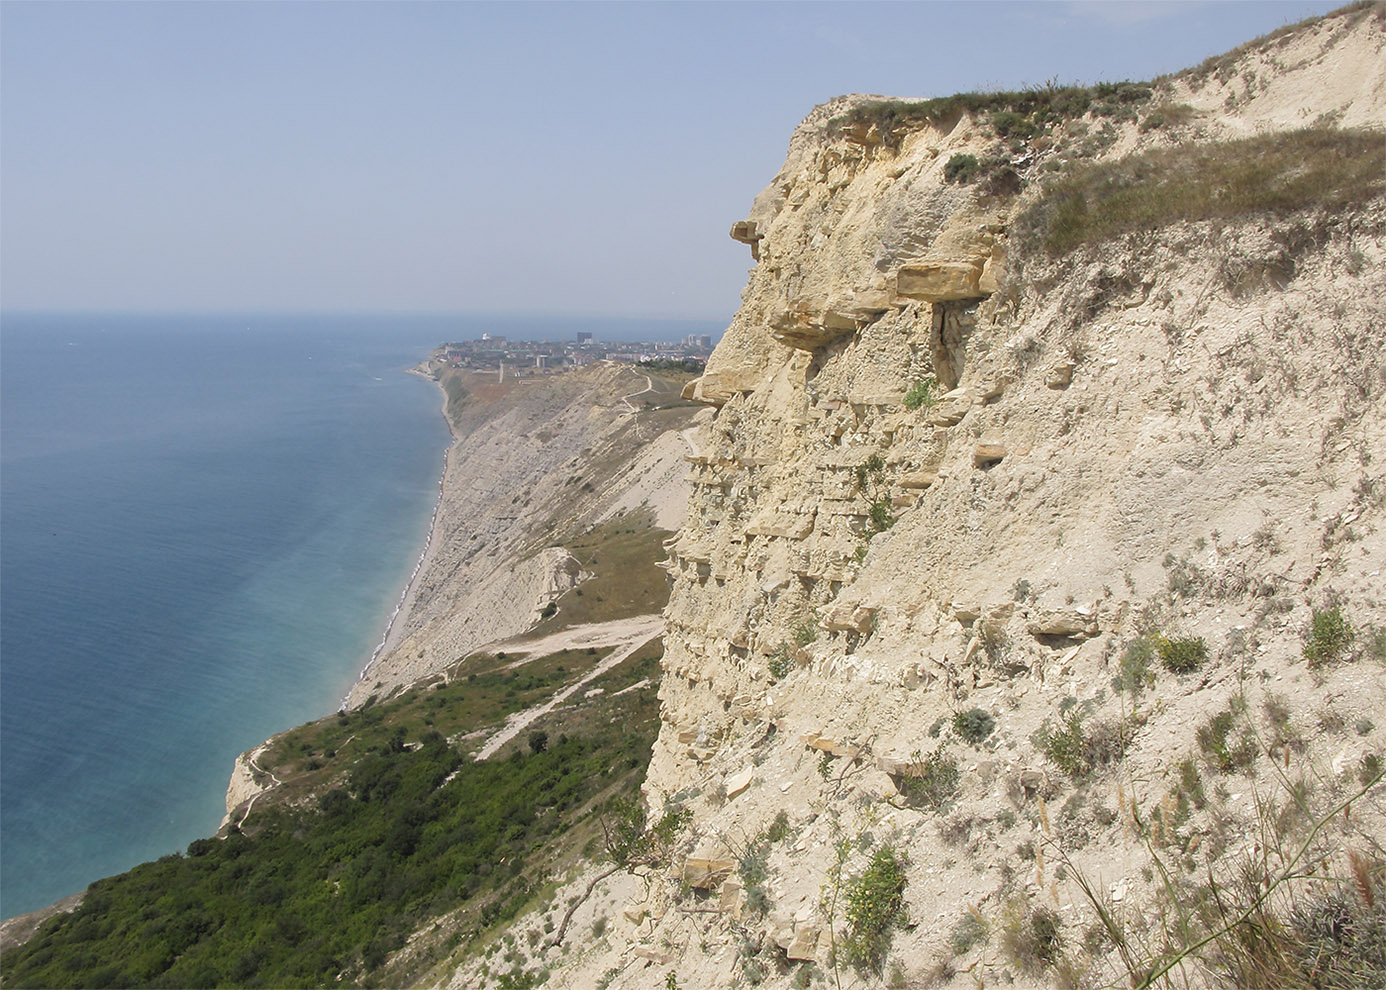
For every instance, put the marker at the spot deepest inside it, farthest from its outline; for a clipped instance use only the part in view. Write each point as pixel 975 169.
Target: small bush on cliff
pixel 1328 638
pixel 921 395
pixel 875 908
pixel 961 168
pixel 974 725
pixel 932 781
pixel 781 663
pixel 1183 655
pixel 1079 750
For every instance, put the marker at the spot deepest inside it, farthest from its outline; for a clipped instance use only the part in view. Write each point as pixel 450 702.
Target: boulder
pixel 738 782
pixel 951 407
pixel 706 871
pixel 1071 621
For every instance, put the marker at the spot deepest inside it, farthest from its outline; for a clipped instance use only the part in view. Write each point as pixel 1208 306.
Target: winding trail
pixel 629 634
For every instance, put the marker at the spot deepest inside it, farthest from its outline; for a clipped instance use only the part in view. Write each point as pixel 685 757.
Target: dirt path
pixel 630 634
pixel 616 632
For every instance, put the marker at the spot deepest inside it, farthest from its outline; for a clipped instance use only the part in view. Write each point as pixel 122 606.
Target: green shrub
pixel 1215 741
pixel 974 725
pixel 933 781
pixel 1078 750
pixel 1133 672
pixel 962 168
pixel 875 908
pixel 921 394
pixel 1183 655
pixel 1330 634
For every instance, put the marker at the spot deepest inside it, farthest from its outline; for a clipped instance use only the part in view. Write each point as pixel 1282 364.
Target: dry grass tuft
pixel 1277 174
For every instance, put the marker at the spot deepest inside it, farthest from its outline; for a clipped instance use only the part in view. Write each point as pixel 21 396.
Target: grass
pixel 1031 939
pixel 1275 174
pixel 1329 637
pixel 932 781
pixel 1223 745
pixel 1182 655
pixel 1133 672
pixel 623 555
pixel 1079 750
pixel 1293 909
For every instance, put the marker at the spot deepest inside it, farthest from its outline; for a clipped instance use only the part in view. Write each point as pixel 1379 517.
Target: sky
pixel 531 158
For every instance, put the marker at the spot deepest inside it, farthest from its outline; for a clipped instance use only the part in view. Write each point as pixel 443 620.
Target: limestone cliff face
pixel 1174 429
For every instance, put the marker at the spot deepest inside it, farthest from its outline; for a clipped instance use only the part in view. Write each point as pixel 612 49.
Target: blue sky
pixel 441 157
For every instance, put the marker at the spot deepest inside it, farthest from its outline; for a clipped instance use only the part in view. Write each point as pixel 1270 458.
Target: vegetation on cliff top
pixel 1018 113
pixel 1275 174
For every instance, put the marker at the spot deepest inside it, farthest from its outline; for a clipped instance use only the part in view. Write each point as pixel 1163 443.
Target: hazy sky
pixel 514 157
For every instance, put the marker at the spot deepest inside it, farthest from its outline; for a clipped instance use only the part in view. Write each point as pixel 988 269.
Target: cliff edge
pixel 1031 585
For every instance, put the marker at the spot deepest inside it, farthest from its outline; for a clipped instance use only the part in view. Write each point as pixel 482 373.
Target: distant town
pixel 528 357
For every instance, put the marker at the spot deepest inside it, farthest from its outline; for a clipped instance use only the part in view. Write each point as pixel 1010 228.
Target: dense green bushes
pixel 317 896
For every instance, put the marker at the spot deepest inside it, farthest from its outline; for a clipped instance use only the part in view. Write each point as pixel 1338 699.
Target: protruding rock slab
pixel 943 281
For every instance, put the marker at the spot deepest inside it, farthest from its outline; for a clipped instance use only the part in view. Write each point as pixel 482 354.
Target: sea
pixel 206 523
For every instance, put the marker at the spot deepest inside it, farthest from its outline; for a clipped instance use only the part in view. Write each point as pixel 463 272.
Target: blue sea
pixel 205 524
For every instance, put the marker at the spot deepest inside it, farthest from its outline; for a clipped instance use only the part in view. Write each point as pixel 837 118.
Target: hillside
pixel 497 725
pixel 1027 624
pixel 1024 625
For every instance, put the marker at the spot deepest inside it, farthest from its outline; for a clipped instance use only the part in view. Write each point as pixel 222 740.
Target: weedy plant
pixel 1133 672
pixel 875 908
pixel 921 395
pixel 1182 655
pixel 1278 916
pixel 932 781
pixel 974 725
pixel 1031 939
pixel 1328 638
pixel 1222 743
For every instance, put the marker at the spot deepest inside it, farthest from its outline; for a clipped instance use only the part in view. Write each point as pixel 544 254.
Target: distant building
pixel 584 337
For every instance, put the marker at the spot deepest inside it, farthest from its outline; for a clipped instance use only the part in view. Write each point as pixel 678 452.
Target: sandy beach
pixel 399 618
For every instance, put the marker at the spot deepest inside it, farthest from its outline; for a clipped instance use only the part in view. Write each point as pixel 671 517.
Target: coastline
pixel 400 616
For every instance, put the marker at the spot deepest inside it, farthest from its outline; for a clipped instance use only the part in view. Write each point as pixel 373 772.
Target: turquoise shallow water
pixel 204 525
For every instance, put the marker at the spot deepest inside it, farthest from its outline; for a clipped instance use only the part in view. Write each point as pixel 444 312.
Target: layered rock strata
pixel 948 473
